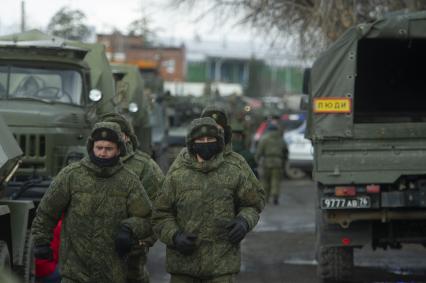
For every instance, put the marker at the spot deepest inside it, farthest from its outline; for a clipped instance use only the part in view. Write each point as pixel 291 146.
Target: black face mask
pixel 103 162
pixel 206 150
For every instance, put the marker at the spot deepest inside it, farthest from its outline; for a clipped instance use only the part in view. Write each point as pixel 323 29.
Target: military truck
pixel 154 90
pixel 367 123
pixel 49 93
pixel 134 103
pixel 15 215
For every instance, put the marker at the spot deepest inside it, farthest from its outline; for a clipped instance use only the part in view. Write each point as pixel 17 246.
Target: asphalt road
pixel 281 248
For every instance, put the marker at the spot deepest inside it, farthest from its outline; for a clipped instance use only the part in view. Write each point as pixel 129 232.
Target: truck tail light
pixel 373 189
pixel 346 241
pixel 345 191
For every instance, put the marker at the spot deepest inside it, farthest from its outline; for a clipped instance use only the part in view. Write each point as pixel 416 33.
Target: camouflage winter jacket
pixel 149 174
pixel 94 203
pixel 202 198
pixel 146 169
pixel 233 158
pixel 271 151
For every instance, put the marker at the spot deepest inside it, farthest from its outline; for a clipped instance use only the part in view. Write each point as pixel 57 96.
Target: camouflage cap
pixel 204 127
pixel 217 113
pixel 125 125
pixel 108 131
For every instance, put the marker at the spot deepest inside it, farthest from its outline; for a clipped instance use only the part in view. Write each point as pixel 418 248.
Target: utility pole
pixel 22 15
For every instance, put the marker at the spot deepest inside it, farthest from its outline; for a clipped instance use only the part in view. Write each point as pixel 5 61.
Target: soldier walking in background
pixel 271 153
pixel 105 212
pixel 205 208
pixel 152 178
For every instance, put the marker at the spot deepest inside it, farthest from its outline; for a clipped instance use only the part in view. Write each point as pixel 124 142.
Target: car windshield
pixel 50 85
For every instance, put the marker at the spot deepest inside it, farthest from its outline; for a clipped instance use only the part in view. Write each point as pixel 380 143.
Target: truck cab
pixel 50 95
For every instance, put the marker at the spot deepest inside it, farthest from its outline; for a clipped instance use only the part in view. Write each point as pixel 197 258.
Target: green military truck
pixel 367 123
pixel 50 94
pixel 15 215
pixel 134 103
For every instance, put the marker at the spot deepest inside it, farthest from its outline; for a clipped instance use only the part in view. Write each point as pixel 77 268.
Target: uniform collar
pixel 101 172
pixel 191 162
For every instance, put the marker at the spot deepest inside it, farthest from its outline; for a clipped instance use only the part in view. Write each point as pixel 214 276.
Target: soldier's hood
pixel 191 162
pixel 112 126
pixel 205 126
pixel 227 149
pixel 108 125
pixel 217 113
pixel 130 152
pixel 104 172
pixel 125 126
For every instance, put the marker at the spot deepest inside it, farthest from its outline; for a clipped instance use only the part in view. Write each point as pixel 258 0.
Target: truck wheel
pixel 335 264
pixel 4 256
pixel 27 270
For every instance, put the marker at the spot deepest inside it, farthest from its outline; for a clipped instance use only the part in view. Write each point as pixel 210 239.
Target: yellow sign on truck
pixel 332 105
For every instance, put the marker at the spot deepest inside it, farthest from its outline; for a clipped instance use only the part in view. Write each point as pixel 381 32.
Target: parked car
pixel 300 153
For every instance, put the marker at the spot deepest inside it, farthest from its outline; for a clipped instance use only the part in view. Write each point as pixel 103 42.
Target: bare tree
pixel 142 28
pixel 310 25
pixel 69 24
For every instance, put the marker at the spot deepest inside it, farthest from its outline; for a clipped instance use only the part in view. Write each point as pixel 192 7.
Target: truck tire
pixel 335 264
pixel 26 271
pixel 4 256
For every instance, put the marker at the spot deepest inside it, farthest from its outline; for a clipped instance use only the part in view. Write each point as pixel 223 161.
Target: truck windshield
pixel 51 85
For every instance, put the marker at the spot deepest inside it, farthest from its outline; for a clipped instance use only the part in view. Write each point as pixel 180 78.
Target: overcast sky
pixel 172 26
pixel 104 15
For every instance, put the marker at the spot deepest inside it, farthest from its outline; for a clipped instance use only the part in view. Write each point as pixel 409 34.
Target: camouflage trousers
pixel 229 278
pixel 136 261
pixel 271 179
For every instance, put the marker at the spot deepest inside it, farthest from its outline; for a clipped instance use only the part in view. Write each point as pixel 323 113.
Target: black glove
pixel 43 252
pixel 237 229
pixel 123 241
pixel 184 242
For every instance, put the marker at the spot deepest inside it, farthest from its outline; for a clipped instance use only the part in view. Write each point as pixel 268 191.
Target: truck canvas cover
pixel 364 72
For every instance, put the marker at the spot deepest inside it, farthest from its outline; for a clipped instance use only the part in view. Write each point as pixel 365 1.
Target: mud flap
pixel 357 234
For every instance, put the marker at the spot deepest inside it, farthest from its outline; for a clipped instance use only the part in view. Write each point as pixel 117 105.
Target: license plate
pixel 345 203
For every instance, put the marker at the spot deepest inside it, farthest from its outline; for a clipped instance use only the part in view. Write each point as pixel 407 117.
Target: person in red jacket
pixel 47 270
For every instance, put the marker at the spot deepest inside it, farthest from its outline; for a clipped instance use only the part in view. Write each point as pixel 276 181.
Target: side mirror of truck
pixel 95 95
pixel 306 79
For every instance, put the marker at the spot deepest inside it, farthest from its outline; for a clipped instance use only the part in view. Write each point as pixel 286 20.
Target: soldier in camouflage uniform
pixel 105 210
pixel 220 117
pixel 239 146
pixel 271 154
pixel 205 208
pixel 152 179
